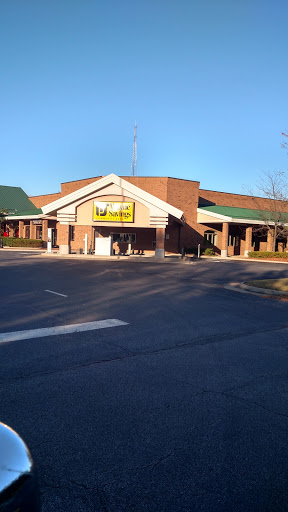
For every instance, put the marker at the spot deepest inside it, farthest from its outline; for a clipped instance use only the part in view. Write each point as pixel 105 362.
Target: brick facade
pixel 40 201
pixel 208 197
pixel 182 194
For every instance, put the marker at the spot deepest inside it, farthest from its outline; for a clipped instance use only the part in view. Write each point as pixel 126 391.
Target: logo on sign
pixel 113 212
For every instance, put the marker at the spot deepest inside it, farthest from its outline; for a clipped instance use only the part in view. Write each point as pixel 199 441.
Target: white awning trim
pixel 24 217
pixel 232 220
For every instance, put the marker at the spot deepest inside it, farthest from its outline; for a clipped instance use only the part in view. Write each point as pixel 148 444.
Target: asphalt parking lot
pixel 181 407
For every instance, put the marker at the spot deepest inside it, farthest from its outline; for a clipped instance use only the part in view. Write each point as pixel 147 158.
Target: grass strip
pixel 280 285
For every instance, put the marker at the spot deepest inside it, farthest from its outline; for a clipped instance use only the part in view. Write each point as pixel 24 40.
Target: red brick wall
pixel 71 186
pixel 62 234
pixel 182 194
pixel 45 230
pixel 144 237
pixel 40 201
pixel 236 200
pixel 79 235
pixel 155 186
pixel 66 188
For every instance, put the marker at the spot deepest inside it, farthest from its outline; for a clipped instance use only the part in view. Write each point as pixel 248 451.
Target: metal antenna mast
pixel 134 156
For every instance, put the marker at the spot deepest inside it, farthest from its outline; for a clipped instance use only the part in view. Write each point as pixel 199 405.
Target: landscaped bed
pixel 268 255
pixel 21 242
pixel 280 285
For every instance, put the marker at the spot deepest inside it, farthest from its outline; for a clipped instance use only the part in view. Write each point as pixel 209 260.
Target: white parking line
pixel 6 337
pixel 56 293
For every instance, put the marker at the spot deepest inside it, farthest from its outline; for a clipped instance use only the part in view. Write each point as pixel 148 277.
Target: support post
pixel 44 232
pixel 32 230
pixel 224 245
pixel 49 240
pixel 21 229
pixel 85 244
pixel 63 239
pixel 160 243
pixel 248 241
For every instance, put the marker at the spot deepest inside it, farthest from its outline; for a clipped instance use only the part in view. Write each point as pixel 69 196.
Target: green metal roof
pixel 16 202
pixel 246 213
pixel 36 211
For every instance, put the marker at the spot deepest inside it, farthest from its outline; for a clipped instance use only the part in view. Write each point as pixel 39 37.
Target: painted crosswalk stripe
pixel 56 293
pixel 6 337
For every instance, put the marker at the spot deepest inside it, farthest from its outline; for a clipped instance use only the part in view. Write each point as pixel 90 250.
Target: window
pixel 234 241
pixel 210 237
pixel 39 232
pixel 72 233
pixel 27 231
pixel 124 237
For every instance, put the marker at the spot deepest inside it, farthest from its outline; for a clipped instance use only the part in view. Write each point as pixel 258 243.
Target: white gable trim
pixel 219 216
pixel 137 192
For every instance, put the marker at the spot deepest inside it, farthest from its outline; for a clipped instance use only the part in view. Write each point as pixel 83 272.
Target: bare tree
pixel 273 186
pixel 284 144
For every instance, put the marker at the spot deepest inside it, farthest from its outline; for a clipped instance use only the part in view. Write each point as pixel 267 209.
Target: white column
pixel 86 244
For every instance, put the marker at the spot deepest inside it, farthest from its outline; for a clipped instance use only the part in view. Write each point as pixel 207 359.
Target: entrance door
pixel 124 241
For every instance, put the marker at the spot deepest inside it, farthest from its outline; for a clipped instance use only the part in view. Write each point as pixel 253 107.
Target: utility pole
pixel 134 155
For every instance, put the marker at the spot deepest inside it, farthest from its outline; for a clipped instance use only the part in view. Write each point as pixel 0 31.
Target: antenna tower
pixel 134 155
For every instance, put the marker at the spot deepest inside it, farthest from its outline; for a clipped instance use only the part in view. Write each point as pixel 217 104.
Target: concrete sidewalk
pixel 143 257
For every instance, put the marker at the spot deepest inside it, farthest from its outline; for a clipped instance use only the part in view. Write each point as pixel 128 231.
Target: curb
pixel 265 291
pixel 258 260
pixel 92 257
pixel 253 290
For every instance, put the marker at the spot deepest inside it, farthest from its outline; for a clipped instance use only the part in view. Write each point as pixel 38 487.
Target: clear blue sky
pixel 205 81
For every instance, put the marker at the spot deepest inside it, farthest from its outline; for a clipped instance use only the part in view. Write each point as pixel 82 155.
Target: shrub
pixel 208 252
pixel 267 254
pixel 20 242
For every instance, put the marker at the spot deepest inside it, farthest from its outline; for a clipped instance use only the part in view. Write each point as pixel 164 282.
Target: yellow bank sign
pixel 113 212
